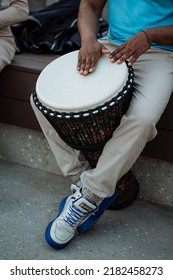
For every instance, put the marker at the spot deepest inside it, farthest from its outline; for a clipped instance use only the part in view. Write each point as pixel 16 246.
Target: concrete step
pixel 29 201
pixel 29 147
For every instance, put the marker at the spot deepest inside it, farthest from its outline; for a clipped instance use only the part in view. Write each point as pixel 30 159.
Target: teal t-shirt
pixel 128 17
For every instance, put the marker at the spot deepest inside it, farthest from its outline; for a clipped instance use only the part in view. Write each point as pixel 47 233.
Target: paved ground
pixel 29 199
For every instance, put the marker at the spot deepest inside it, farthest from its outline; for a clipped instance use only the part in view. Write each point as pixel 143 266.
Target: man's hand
pixel 89 55
pixel 133 48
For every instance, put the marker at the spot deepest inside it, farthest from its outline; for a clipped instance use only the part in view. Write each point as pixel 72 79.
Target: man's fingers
pixel 121 56
pixel 87 65
pixel 105 51
pixel 134 58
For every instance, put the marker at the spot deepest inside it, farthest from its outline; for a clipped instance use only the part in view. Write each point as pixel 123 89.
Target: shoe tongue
pixel 84 204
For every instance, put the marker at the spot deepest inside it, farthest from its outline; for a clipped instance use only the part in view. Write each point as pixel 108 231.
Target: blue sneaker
pixel 95 216
pixel 72 211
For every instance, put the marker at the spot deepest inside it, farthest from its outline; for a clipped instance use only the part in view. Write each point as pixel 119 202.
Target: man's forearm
pixel 162 35
pixel 88 17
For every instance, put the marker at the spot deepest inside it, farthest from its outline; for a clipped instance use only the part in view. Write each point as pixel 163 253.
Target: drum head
pixel 60 86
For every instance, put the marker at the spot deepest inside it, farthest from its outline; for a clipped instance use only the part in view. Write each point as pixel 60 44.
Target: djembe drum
pixel 85 111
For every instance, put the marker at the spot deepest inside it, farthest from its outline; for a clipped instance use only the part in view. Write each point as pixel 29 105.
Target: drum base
pixel 127 190
pixel 127 187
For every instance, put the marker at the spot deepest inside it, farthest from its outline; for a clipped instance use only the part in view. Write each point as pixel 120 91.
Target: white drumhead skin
pixel 60 87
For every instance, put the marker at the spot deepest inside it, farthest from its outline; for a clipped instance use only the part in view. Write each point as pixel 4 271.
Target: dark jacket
pixel 53 29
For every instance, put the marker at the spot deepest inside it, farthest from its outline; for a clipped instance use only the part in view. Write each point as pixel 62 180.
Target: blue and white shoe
pixel 89 221
pixel 72 211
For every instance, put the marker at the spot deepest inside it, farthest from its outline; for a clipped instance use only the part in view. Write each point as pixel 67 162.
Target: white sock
pixel 90 196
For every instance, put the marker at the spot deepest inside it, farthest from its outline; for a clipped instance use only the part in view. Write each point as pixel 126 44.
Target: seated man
pixel 141 33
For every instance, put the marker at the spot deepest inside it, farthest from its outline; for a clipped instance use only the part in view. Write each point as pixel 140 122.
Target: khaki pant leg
pixel 153 87
pixel 71 162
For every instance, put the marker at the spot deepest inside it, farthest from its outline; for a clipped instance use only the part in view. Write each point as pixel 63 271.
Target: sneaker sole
pixel 97 214
pixel 48 237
